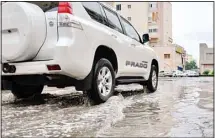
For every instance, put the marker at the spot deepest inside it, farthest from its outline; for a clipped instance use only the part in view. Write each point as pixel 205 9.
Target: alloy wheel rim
pixel 104 81
pixel 154 79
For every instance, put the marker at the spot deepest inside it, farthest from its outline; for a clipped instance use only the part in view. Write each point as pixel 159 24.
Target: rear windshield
pixel 46 6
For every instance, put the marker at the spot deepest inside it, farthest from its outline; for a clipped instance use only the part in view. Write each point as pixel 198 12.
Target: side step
pixel 129 80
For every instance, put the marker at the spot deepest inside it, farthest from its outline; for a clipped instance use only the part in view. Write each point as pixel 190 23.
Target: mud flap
pixel 85 84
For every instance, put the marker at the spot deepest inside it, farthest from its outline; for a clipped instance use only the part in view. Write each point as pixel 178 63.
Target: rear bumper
pixel 33 73
pixel 30 68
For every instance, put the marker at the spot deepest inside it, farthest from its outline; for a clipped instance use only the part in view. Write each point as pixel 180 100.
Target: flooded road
pixel 181 107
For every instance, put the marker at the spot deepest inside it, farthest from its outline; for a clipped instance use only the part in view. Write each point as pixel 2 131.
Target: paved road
pixel 180 107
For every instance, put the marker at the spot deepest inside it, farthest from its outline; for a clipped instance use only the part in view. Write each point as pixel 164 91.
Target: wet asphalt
pixel 181 107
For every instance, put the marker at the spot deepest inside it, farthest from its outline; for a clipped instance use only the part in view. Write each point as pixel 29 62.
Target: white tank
pixel 23 30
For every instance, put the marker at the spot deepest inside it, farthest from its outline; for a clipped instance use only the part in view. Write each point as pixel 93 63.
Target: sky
pixel 192 23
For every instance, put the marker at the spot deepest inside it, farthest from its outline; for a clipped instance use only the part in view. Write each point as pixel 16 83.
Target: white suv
pixel 83 44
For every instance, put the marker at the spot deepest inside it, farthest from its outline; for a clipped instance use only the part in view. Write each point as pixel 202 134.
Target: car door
pixel 123 47
pixel 140 54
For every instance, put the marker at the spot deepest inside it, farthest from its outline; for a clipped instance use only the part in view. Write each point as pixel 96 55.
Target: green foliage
pixel 190 65
pixel 206 72
pixel 211 73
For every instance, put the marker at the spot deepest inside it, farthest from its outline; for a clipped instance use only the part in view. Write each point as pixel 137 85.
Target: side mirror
pixel 145 38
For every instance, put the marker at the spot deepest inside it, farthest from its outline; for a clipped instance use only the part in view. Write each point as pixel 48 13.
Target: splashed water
pixel 180 107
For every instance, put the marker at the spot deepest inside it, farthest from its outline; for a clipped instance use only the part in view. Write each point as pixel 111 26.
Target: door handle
pixel 114 36
pixel 133 45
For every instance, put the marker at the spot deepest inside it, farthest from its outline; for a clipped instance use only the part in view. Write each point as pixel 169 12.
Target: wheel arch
pixel 103 51
pixel 155 62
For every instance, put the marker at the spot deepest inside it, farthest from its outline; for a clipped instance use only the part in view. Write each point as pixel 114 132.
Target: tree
pixel 190 65
pixel 206 72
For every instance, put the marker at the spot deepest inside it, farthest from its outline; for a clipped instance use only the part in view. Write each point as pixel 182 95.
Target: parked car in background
pixel 190 73
pixel 161 73
pixel 177 73
pixel 169 73
pixel 165 74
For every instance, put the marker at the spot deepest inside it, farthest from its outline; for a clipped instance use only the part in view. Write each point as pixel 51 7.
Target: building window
pixel 129 6
pixel 129 18
pixel 153 30
pixel 153 5
pixel 166 56
pixel 209 56
pixel 118 7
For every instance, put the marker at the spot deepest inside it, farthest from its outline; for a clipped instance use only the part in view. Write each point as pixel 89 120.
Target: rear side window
pixel 94 10
pixel 129 29
pixel 46 6
pixel 113 20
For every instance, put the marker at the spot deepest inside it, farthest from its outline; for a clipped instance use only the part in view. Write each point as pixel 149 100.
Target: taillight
pixel 64 7
pixel 53 67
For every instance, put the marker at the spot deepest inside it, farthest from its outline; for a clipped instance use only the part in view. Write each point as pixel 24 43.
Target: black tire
pixel 26 91
pixel 6 85
pixel 2 86
pixel 149 82
pixel 94 93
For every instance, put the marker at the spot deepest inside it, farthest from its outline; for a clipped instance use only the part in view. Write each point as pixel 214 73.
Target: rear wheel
pixel 25 91
pixel 103 81
pixel 152 82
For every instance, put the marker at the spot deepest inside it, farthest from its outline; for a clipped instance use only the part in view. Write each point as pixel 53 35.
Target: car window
pixel 113 20
pixel 46 6
pixel 53 9
pixel 94 10
pixel 129 29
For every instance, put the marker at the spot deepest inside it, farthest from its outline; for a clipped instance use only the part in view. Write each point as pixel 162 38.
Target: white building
pixel 160 23
pixel 136 13
pixel 206 58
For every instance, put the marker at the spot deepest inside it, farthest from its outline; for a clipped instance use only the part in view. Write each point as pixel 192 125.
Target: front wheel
pixel 152 82
pixel 103 82
pixel 25 91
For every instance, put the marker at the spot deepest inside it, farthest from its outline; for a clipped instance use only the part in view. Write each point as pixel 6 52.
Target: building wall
pixel 110 3
pixel 180 56
pixel 176 57
pixel 166 64
pixel 154 15
pixel 166 23
pixel 206 58
pixel 160 17
pixel 178 61
pixel 138 13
